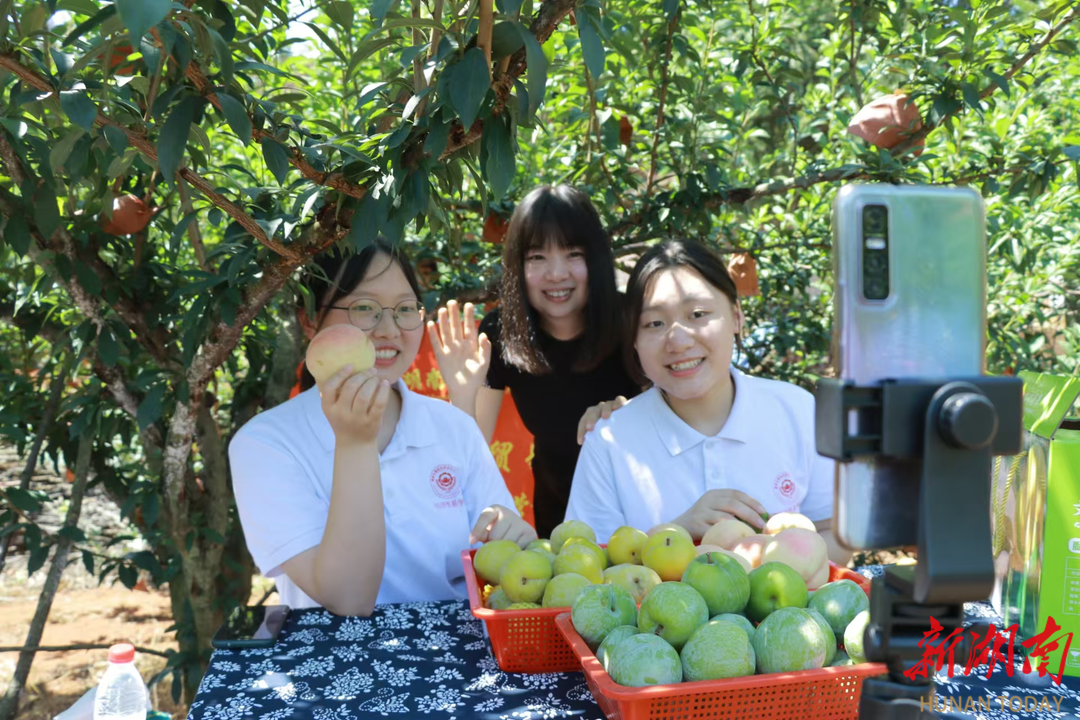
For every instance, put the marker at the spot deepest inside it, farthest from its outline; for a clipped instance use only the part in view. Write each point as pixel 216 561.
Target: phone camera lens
pixel 874 221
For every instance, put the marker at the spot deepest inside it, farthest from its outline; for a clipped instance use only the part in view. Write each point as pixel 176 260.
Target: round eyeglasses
pixel 367 314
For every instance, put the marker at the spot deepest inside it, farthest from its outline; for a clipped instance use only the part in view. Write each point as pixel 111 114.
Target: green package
pixel 1036 521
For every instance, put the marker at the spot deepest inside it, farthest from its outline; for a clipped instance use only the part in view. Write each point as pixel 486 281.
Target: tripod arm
pixel 952 428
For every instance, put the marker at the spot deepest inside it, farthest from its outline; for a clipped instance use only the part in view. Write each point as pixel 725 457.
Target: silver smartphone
pixel 909 264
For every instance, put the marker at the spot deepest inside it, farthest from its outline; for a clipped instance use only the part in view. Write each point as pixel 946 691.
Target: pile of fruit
pixel 656 609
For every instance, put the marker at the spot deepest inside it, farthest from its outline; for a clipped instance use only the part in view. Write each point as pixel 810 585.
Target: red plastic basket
pixel 805 695
pixel 523 641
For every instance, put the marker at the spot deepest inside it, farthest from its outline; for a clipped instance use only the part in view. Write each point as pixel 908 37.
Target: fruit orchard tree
pixel 168 169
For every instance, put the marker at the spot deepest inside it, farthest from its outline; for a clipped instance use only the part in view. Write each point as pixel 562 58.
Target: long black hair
pixel 665 256
pixel 336 273
pixel 564 216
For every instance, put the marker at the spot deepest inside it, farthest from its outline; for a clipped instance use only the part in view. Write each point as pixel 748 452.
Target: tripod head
pixel 945 432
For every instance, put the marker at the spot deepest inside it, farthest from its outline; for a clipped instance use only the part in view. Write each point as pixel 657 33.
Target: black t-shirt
pixel 551 405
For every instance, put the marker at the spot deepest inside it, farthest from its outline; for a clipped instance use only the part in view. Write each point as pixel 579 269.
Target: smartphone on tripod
pixel 909 268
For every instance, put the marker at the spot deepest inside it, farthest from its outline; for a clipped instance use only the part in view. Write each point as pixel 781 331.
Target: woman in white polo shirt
pixel 706 441
pixel 362 492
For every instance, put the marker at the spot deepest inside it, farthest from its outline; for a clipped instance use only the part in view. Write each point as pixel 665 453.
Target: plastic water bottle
pixel 121 694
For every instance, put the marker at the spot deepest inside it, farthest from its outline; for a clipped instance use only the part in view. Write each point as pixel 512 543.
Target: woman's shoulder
pixel 779 392
pixel 283 426
pixel 447 423
pixel 630 423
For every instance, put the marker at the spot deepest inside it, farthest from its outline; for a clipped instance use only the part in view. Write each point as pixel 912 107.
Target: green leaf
pixel 46 211
pixel 277 160
pixel 38 556
pixel 411 22
pixel 145 560
pixel 88 278
pixel 437 137
pixel 181 228
pixel 173 138
pixel 670 8
pixel 366 50
pixel 79 108
pixel 150 408
pixel 150 510
pixel 998 80
pixel 141 15
pixel 128 575
pixel 221 12
pixel 505 39
pixel 86 26
pixel 117 139
pixel 499 147
pixel 592 47
pixel 328 41
pixel 17 234
pixel 121 163
pixel 236 116
pixel 88 561
pixel 537 65
pixel 22 499
pixel 508 7
pixel 72 533
pixel 468 81
pixel 252 65
pixel 1072 152
pixel 340 13
pixel 379 8
pixel 971 96
pixel 61 150
pixel 367 221
pixel 213 536
pixel 108 348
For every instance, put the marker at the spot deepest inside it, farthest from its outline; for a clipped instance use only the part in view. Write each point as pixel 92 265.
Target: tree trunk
pixel 10 702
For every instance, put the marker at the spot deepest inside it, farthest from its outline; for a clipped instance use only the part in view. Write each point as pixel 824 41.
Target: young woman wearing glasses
pixel 362 492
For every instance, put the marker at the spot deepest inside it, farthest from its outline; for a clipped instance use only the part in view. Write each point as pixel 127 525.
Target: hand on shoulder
pixel 596 413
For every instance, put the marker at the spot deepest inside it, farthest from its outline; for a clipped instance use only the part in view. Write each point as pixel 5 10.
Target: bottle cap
pixel 122 653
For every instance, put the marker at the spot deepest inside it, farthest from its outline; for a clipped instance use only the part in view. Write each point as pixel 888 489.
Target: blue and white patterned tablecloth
pixel 432 660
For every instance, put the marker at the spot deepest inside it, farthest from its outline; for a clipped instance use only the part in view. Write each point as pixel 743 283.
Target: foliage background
pixel 264 131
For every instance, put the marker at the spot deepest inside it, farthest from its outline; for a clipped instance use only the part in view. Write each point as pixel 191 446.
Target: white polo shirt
pixel 437 476
pixel 645 466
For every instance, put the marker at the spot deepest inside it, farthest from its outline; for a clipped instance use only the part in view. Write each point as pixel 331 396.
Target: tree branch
pixel 77 646
pixel 775 86
pixel 551 14
pixel 143 145
pixel 194 234
pixel 10 702
pixel 52 404
pixel 990 89
pixel 334 181
pixel 854 63
pixel 664 79
pixel 224 337
pixel 154 341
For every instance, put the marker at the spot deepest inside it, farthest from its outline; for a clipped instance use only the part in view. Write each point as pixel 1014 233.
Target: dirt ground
pixel 96 615
pixel 83 611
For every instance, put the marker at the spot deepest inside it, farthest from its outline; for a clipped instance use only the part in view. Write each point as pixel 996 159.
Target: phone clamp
pixel 942 434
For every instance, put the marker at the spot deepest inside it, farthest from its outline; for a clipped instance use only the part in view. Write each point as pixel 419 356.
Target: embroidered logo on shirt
pixel 444 481
pixel 784 486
